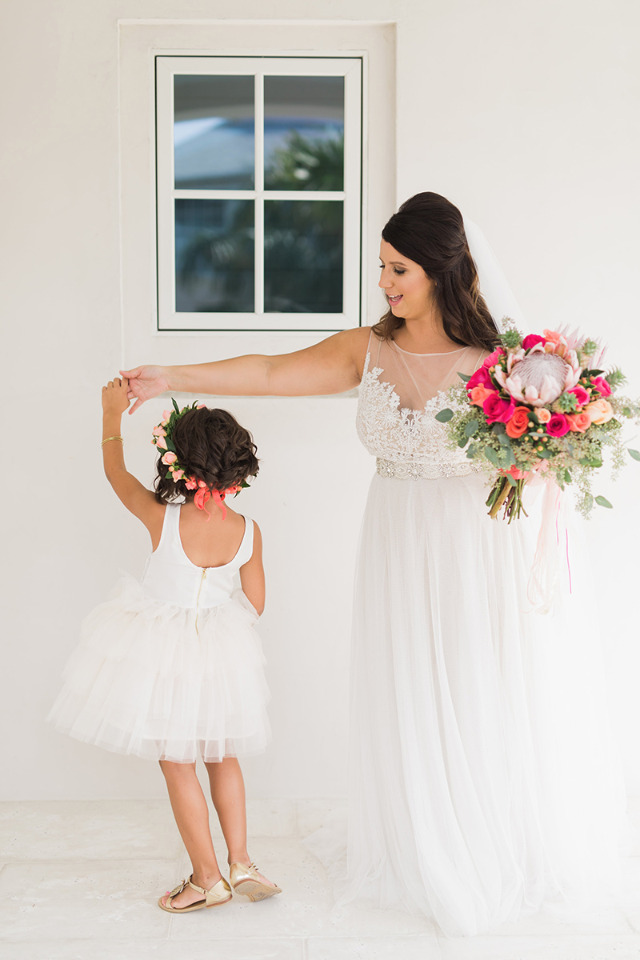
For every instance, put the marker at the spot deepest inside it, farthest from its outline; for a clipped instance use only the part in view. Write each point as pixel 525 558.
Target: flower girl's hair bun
pixel 200 448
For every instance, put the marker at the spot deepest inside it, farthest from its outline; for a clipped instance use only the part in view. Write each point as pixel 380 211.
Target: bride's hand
pixel 145 383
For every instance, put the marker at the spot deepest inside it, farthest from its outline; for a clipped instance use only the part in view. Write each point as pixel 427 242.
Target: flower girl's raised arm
pixel 331 366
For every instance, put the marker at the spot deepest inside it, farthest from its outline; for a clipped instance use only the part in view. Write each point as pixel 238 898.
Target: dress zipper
pixel 202 579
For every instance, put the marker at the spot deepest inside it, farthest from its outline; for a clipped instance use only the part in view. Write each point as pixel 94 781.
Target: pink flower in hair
pixel 191 483
pixel 169 457
pixel 162 443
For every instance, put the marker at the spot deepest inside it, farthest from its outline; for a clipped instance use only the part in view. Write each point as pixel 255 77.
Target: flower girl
pixel 171 667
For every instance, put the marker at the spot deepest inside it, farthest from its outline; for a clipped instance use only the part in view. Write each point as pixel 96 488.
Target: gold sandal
pixel 247 881
pixel 219 893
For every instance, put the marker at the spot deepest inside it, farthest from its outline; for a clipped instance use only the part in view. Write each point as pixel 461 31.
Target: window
pixel 259 192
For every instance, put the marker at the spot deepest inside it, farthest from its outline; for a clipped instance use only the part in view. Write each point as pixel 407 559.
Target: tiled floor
pixel 79 881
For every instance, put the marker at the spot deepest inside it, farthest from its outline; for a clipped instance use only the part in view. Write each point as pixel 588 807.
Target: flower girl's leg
pixel 191 813
pixel 228 795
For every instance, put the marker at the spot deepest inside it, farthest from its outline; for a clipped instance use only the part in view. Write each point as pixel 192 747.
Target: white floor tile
pixel 271 818
pixel 95 829
pixel 366 948
pixel 154 950
pixel 541 948
pixel 304 909
pixel 99 900
pixel 314 814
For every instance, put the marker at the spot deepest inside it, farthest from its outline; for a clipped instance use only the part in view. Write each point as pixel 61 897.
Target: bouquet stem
pixel 507 495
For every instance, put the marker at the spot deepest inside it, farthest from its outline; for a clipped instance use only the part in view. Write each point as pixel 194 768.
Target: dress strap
pixel 245 550
pixel 170 527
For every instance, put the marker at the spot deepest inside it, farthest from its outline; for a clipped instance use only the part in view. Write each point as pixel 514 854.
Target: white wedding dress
pixel 482 782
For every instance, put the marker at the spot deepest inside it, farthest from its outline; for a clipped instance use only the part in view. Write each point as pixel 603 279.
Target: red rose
pixel 558 425
pixel 495 408
pixel 532 340
pixel 601 386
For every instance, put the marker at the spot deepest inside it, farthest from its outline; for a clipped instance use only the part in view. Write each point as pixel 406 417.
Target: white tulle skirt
pixel 145 681
pixel 483 781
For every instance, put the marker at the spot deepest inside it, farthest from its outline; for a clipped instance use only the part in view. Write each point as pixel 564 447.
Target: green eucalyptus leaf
pixel 471 428
pixel 464 377
pixel 492 456
pixel 634 453
pixel 603 502
pixel 444 415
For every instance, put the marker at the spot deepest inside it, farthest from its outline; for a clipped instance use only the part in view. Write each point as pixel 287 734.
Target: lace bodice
pixel 408 442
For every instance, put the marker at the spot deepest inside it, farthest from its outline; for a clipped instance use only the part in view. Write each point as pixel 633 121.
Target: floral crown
pixel 163 439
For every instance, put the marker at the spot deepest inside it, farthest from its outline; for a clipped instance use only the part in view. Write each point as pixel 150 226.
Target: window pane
pixel 303 256
pixel 304 133
pixel 213 132
pixel 214 256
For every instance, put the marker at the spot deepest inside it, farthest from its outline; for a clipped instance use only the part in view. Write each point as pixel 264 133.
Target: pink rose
pixel 159 431
pixel 169 457
pixel 162 443
pixel 580 394
pixel 601 386
pixel 191 484
pixel 166 415
pixel 543 414
pixel 493 358
pixel 495 408
pixel 531 340
pixel 481 377
pixel 558 425
pixel 599 411
pixel 479 394
pixel 177 474
pixel 579 422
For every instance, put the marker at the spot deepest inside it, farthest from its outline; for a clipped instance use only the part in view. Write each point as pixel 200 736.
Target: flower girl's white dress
pixel 170 668
pixel 482 783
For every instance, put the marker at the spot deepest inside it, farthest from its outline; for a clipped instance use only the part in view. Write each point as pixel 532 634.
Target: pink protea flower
pixel 540 377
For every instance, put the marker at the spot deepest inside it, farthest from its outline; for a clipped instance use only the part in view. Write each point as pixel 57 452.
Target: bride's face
pixel 409 291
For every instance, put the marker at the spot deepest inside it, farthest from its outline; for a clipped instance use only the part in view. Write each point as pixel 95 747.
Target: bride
pixel 481 779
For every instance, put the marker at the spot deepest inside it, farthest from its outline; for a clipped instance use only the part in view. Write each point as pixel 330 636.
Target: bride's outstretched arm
pixel 331 366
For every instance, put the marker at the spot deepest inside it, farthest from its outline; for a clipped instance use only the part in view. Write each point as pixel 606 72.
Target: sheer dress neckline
pixel 444 353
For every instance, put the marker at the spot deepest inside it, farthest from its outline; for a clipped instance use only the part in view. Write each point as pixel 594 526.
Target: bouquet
pixel 540 406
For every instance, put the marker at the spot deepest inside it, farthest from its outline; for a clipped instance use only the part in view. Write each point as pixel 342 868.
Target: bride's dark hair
pixel 429 230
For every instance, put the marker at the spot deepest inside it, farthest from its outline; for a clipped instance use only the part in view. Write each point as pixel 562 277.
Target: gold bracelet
pixel 106 440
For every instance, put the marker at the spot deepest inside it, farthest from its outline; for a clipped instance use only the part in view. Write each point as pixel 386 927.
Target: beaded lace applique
pixel 409 444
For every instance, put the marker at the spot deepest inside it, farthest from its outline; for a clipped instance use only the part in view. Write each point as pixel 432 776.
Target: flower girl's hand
pixel 115 398
pixel 145 383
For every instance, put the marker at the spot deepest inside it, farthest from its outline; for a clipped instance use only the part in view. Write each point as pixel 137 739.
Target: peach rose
pixel 543 414
pixel 169 458
pixel 599 411
pixel 519 422
pixel 579 422
pixel 479 394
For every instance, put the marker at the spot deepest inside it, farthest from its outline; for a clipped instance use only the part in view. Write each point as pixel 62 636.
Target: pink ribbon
pixel 544 578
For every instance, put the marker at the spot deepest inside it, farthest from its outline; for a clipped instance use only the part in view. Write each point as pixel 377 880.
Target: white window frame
pixel 349 67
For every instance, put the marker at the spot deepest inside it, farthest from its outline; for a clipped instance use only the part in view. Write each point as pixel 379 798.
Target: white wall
pixel 524 114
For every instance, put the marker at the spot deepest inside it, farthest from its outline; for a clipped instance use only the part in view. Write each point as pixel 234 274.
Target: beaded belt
pixel 423 471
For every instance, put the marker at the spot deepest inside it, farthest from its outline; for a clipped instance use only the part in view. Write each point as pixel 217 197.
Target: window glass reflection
pixel 303 256
pixel 214 256
pixel 213 132
pixel 304 133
